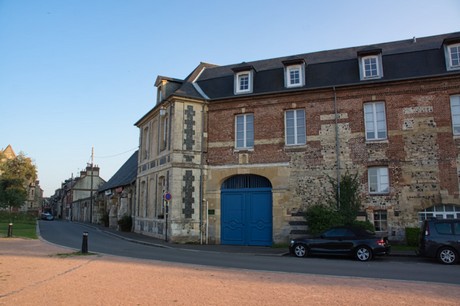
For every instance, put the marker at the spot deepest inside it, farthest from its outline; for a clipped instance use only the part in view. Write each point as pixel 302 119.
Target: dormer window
pixel 243 79
pixel 452 51
pixel 159 94
pixel 294 73
pixel 370 64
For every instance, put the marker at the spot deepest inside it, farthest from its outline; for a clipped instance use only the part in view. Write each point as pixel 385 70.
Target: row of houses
pixel 236 154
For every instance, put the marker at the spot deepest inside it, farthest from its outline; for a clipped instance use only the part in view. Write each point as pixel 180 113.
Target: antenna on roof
pixel 414 40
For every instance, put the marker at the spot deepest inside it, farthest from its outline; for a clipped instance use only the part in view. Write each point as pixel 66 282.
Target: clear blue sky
pixel 77 74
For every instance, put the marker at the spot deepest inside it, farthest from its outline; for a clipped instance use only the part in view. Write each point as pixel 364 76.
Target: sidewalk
pixel 257 250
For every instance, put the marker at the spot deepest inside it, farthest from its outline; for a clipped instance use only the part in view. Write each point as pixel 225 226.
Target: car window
pixel 444 228
pixel 338 232
pixel 457 228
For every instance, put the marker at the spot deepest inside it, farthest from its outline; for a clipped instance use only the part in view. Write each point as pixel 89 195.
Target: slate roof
pixel 188 90
pixel 403 59
pixel 126 175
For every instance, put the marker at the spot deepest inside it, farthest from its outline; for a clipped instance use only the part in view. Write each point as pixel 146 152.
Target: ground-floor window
pixel 444 211
pixel 380 220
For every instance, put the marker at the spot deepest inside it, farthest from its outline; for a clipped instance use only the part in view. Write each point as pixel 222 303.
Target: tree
pixel 341 207
pixel 347 197
pixel 16 174
pixel 12 193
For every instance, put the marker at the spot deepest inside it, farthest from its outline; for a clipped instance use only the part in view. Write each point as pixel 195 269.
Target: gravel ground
pixel 34 272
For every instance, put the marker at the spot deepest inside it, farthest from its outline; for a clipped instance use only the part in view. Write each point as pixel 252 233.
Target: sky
pixel 78 74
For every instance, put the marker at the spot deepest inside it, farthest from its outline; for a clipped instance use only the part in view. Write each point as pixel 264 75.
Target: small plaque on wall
pixel 211 211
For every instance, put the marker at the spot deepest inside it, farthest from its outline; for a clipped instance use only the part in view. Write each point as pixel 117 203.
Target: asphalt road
pixel 394 268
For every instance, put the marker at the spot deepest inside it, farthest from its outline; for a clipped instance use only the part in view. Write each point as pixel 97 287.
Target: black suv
pixel 440 238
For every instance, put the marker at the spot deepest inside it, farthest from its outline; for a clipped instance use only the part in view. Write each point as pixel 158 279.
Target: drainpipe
pixel 337 145
pixel 201 171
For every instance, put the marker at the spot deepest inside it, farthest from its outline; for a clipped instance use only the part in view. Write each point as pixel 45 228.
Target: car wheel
pixel 447 256
pixel 300 250
pixel 363 253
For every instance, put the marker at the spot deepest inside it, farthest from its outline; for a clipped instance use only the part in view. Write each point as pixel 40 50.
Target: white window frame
pixel 378 180
pixel 298 126
pixel 238 77
pixel 455 114
pixel 378 67
pixel 381 222
pixel 301 79
pixel 451 65
pixel 247 130
pixel 375 121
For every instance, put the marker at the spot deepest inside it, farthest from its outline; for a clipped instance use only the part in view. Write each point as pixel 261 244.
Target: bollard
pixel 84 244
pixel 10 230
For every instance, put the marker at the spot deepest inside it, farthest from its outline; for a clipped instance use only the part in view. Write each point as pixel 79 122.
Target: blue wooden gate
pixel 246 204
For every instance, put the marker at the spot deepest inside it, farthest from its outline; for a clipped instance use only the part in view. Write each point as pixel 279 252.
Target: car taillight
pixel 381 242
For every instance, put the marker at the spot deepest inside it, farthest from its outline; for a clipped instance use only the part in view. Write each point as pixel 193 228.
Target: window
pixel 295 127
pixel 294 76
pixel 443 211
pixel 444 228
pixel 370 68
pixel 375 121
pixel 380 220
pixel 164 132
pixel 244 129
pixel 159 94
pixel 243 82
pixel 370 65
pixel 378 180
pixel 145 143
pixel 455 112
pixel 453 56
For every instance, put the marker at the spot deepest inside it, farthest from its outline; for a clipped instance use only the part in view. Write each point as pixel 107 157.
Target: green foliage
pixel 20 167
pixel 105 219
pixel 320 217
pixel 12 193
pixel 339 209
pixel 15 175
pixel 21 217
pixel 125 223
pixel 365 225
pixel 412 236
pixel 348 202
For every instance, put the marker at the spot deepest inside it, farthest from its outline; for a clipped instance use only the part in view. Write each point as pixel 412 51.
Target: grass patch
pixel 22 230
pixel 24 225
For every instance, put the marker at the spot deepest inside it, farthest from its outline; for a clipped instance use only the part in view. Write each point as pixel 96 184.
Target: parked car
pixel 47 216
pixel 343 240
pixel 440 238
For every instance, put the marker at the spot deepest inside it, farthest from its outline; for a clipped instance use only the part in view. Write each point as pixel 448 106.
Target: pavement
pixel 258 250
pixel 34 272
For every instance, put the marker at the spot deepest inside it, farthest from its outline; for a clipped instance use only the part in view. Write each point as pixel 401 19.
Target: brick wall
pixel 421 153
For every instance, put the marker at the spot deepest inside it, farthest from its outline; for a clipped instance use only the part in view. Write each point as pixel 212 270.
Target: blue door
pixel 247 213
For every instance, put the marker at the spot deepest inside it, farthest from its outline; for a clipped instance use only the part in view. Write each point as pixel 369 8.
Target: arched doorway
pixel 246 206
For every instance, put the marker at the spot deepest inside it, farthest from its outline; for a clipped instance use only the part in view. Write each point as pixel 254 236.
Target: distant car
pixel 440 238
pixel 47 216
pixel 350 241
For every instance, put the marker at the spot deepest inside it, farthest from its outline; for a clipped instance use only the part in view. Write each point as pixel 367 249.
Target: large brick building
pixel 272 132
